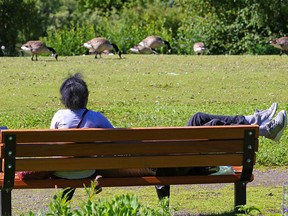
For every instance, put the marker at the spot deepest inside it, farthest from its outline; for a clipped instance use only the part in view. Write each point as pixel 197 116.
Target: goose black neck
pixel 52 50
pixel 168 44
pixel 117 49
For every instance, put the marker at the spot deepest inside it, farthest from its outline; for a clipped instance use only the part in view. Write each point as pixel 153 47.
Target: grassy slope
pixel 149 90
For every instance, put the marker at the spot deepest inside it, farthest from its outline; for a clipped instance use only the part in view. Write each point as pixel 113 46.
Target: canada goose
pixel 38 47
pixel 154 42
pixel 199 48
pixel 280 43
pixel 142 50
pixel 99 45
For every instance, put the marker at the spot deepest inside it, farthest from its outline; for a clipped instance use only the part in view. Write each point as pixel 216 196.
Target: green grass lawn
pixel 141 90
pixel 150 90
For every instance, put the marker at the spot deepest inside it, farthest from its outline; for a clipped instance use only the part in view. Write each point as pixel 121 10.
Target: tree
pixel 19 20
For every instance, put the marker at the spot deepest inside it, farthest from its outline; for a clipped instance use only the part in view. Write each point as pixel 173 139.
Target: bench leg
pixel 239 194
pixel 5 199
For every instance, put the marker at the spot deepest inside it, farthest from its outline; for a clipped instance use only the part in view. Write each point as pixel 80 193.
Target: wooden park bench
pixel 153 147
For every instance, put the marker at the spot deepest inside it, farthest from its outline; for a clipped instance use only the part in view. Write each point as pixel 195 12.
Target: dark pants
pixel 199 119
pixel 203 119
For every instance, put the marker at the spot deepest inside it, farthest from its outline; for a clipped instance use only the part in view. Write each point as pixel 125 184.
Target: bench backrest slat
pixel 100 148
pixel 118 134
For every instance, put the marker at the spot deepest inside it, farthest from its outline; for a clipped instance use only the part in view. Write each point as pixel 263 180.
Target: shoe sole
pixel 278 136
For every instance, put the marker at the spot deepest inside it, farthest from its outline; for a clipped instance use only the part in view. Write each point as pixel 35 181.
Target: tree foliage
pixel 19 20
pixel 226 27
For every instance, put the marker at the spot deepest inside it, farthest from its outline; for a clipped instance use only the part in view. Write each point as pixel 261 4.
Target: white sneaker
pixel 276 127
pixel 265 116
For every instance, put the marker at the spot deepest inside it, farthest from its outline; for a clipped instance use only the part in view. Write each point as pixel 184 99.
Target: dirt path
pixel 270 176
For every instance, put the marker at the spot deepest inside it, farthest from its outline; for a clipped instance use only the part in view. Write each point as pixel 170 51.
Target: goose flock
pixel 100 45
pixel 149 45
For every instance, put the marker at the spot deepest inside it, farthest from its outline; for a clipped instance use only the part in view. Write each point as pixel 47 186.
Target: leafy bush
pixel 226 27
pixel 248 210
pixel 123 205
pixel 68 41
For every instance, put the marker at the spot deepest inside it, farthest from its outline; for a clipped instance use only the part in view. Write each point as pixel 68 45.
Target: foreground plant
pixel 123 205
pixel 248 210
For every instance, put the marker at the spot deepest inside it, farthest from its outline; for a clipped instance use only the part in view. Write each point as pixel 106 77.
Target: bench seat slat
pixel 50 164
pixel 125 181
pixel 165 147
pixel 116 134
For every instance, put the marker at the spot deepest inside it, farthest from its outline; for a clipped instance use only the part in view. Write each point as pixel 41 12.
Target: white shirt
pixel 67 118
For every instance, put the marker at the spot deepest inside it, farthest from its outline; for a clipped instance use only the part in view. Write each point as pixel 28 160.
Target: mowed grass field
pixel 153 90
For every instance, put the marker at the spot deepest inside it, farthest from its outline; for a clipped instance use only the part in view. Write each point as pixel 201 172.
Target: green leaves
pixel 248 210
pixel 122 205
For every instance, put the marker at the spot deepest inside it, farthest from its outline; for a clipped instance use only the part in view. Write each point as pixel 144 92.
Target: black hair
pixel 74 92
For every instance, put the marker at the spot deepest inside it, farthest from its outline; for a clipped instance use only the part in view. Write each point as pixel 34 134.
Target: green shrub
pixel 68 41
pixel 248 210
pixel 123 205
